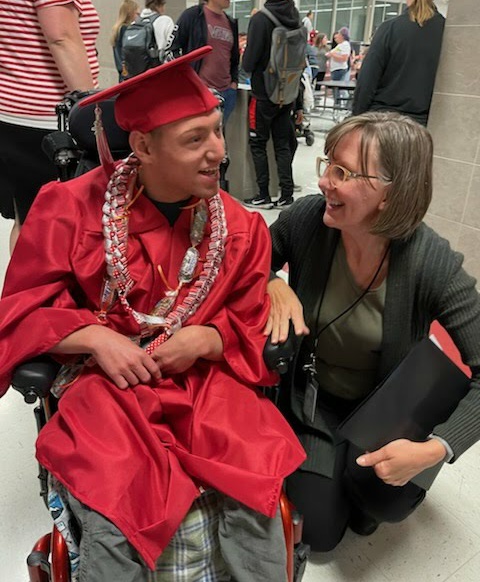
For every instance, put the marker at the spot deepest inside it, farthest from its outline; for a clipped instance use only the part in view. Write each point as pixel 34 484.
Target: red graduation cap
pixel 161 95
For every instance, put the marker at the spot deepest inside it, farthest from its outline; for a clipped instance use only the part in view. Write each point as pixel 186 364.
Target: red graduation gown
pixel 138 456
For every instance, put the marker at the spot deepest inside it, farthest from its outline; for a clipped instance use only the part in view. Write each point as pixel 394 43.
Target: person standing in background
pixel 127 13
pixel 162 25
pixel 320 44
pixel 242 45
pixel 208 24
pixel 345 33
pixel 311 54
pixel 307 23
pixel 398 74
pixel 339 57
pixel 266 118
pixel 47 49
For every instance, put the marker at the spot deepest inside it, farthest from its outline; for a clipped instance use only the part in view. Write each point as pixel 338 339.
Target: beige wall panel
pixel 472 208
pixel 455 126
pixel 451 181
pixel 464 12
pixel 458 72
pixel 107 10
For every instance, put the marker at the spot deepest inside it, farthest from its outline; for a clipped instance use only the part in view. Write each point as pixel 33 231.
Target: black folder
pixel 420 393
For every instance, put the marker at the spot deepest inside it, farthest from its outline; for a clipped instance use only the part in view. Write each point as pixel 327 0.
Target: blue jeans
pixel 338 75
pixel 230 98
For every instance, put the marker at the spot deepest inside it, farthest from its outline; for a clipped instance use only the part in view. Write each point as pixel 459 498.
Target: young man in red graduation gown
pixel 154 253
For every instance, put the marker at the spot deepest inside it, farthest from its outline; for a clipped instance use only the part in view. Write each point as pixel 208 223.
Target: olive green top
pixel 348 351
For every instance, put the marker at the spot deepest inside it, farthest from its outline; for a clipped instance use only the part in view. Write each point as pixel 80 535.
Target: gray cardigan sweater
pixel 425 282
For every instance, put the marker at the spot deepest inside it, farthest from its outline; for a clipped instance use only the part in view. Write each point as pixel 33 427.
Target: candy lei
pixel 166 315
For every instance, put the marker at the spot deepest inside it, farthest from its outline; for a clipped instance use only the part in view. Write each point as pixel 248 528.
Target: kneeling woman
pixel 370 277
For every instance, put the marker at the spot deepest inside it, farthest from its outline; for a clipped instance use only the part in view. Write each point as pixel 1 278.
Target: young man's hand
pixel 123 361
pixel 186 346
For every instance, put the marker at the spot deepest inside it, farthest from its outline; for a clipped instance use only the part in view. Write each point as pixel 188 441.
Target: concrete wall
pixel 455 126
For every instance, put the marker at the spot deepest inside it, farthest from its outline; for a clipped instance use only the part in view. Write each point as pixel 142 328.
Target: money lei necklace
pixel 166 314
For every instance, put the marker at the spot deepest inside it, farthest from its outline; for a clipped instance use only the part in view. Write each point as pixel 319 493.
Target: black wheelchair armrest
pixel 34 378
pixel 278 356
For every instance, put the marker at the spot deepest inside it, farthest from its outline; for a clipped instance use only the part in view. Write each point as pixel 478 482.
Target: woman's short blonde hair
pixel 403 152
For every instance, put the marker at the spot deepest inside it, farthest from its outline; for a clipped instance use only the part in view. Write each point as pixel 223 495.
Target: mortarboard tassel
pixel 104 153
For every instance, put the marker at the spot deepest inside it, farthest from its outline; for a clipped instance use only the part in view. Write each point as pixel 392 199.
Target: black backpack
pixel 287 61
pixel 139 47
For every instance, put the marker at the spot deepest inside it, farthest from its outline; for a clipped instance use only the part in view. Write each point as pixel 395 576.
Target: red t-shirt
pixel 215 71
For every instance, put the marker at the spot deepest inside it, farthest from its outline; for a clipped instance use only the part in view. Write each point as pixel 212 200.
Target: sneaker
pixel 259 202
pixel 281 202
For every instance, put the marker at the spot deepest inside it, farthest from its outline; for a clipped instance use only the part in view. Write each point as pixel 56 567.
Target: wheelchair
pixel 74 152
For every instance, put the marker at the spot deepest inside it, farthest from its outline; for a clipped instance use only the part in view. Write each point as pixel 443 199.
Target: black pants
pixel 24 168
pixel 326 503
pixel 318 79
pixel 265 119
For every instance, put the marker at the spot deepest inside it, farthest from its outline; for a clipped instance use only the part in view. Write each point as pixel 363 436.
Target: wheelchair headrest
pixel 80 125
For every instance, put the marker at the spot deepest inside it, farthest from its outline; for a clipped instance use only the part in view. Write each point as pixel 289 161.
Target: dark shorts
pixel 24 168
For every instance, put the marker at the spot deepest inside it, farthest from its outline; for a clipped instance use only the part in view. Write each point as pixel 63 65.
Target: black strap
pixel 347 309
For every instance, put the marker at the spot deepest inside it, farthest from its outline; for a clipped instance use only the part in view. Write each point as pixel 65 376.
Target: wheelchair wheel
pixel 302 553
pixel 309 138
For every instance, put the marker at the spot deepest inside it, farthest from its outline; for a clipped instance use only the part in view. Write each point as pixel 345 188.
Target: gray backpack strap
pixel 272 17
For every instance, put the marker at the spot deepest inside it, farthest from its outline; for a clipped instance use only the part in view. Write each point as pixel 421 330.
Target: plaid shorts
pixel 219 540
pixel 194 551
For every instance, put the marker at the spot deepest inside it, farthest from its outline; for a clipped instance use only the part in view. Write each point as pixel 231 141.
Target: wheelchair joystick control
pixel 282 365
pixel 30 397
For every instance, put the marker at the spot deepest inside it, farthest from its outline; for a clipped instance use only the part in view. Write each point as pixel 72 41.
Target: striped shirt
pixel 30 83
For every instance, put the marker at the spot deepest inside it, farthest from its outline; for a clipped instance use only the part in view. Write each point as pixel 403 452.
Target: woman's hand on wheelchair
pixel 285 308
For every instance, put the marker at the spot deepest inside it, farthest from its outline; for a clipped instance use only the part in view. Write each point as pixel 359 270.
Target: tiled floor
pixel 440 542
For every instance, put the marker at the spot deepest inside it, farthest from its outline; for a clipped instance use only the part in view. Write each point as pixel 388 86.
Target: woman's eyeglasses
pixel 338 174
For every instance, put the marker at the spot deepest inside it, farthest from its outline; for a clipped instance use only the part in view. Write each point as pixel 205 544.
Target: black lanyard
pixel 310 366
pixel 311 383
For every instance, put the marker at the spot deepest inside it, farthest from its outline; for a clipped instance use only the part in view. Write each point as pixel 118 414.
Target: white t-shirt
pixel 162 28
pixel 307 23
pixel 341 49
